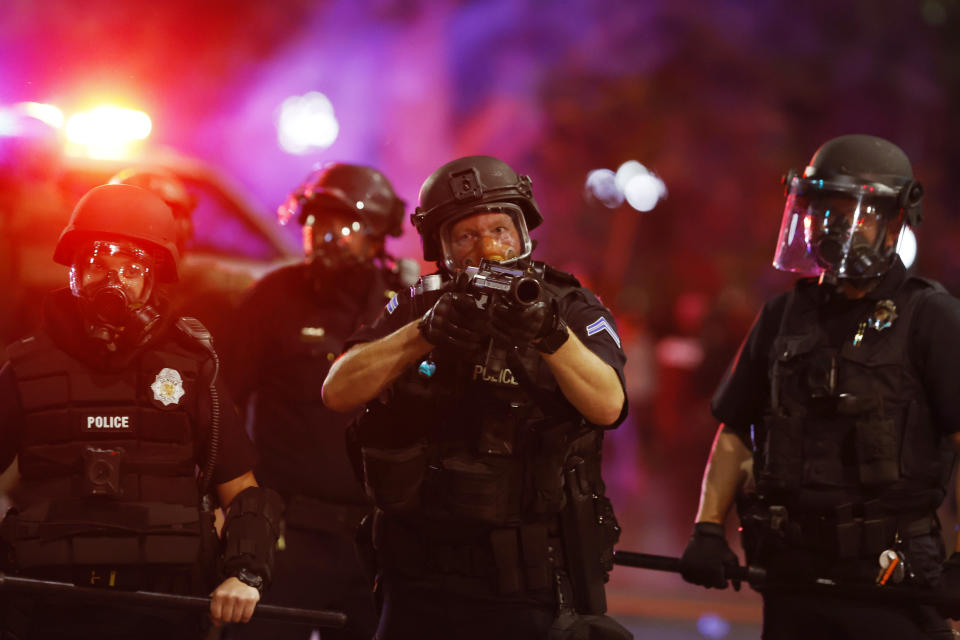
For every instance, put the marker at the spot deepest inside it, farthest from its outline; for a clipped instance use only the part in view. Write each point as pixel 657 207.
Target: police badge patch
pixel 168 387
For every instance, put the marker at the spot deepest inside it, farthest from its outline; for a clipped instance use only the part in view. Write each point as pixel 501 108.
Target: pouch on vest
pixel 481 490
pixel 393 477
pixel 782 452
pixel 878 451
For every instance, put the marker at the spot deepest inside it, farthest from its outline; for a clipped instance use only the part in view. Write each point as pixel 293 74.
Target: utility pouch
pixel 482 490
pixel 782 452
pixel 877 451
pixel 392 477
pixel 582 542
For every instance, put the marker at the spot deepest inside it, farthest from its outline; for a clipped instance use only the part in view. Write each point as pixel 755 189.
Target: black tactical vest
pixel 481 440
pixel 107 459
pixel 853 418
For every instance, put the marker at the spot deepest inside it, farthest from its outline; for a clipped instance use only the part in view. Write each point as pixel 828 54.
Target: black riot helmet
pixel 844 215
pixel 346 211
pixel 468 186
pixel 363 191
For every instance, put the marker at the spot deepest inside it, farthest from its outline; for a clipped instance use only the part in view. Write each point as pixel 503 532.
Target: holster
pixel 590 530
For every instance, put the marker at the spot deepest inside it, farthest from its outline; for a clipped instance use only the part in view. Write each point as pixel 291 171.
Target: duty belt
pixel 848 536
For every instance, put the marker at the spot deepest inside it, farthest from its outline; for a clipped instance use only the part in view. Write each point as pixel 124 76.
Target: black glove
pixel 455 321
pixel 708 559
pixel 538 324
pixel 950 585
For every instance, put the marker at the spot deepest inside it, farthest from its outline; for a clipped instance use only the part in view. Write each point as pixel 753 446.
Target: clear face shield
pixel 338 240
pixel 114 281
pixel 495 231
pixel 838 229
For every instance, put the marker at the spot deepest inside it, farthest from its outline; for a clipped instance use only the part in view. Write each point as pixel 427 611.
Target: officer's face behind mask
pixel 839 230
pixel 495 233
pixel 339 237
pixel 113 280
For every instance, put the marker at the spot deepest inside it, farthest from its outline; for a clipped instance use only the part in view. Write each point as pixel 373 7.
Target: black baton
pixel 317 618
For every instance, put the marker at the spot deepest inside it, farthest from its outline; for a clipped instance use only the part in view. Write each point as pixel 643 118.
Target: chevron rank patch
pixel 601 324
pixel 392 305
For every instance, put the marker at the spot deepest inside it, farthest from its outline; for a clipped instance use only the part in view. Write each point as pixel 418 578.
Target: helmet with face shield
pixel 120 241
pixel 346 211
pixel 843 217
pixel 476 207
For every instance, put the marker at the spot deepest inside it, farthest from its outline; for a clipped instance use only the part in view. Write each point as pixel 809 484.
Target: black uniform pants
pixel 438 607
pixel 316 570
pixel 804 617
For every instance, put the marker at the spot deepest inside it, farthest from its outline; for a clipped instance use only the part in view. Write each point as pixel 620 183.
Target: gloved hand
pixel 455 321
pixel 708 557
pixel 524 325
pixel 950 585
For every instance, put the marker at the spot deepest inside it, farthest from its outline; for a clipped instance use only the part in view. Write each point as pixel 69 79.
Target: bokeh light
pixel 712 626
pixel 306 123
pixel 644 191
pixel 907 246
pixel 106 132
pixel 627 172
pixel 47 113
pixel 602 186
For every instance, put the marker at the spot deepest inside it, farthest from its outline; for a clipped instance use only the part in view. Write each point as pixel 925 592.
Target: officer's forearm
pixel 590 384
pixel 726 472
pixel 360 374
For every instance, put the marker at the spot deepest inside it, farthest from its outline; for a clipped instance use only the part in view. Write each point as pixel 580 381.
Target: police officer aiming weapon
pixel 487 391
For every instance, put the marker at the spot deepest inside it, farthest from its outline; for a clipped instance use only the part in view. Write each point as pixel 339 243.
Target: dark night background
pixel 719 99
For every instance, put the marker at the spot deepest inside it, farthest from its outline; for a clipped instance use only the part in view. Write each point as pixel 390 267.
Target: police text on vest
pixel 107 422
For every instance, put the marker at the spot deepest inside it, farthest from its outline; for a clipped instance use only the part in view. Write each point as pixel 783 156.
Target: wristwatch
pixel 555 339
pixel 249 578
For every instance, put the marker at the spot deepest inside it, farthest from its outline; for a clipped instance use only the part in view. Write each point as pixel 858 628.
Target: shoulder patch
pixel 392 305
pixel 601 324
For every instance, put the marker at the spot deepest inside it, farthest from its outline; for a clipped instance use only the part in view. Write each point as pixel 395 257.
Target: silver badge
pixel 168 387
pixel 883 316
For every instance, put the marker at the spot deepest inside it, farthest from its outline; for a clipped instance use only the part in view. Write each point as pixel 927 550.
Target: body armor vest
pixel 853 417
pixel 107 458
pixel 481 440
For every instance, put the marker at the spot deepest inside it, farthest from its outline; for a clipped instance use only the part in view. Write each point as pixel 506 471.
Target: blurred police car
pixel 44 170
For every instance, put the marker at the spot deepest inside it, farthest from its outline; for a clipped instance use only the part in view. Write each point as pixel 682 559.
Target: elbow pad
pixel 250 532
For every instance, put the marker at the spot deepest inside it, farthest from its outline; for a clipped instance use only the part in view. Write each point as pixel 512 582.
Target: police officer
pixel 111 408
pixel 481 437
pixel 843 399
pixel 288 330
pixel 206 290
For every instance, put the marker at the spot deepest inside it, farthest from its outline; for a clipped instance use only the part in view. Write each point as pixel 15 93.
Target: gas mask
pixel 496 232
pixel 839 229
pixel 113 281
